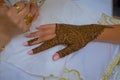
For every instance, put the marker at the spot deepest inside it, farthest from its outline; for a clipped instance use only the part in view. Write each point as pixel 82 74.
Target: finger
pixel 66 51
pixel 47 31
pixel 12 11
pixel 46 45
pixel 43 39
pixel 46 27
pixel 43 30
pixel 29 43
pixel 23 26
pixel 34 10
pixel 39 40
pixel 12 14
pixel 33 34
pixel 24 11
pixel 41 33
pixel 36 16
pixel 19 6
pixel 25 19
pixel 28 18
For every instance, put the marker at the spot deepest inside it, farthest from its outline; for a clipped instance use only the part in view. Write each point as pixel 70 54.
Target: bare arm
pixel 111 35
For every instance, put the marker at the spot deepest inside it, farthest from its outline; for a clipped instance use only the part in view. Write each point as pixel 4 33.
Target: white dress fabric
pixel 89 63
pixel 115 74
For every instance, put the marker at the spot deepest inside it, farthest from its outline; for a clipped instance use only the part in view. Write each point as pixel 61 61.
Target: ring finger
pixel 39 40
pixel 28 18
pixel 40 33
pixel 18 6
pixel 32 13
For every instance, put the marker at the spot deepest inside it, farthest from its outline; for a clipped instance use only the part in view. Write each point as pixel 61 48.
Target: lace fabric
pixel 11 2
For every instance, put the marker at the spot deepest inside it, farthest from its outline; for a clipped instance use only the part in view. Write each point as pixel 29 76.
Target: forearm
pixel 111 35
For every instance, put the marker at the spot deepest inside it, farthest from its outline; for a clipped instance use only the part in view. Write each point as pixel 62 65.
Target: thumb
pixel 66 51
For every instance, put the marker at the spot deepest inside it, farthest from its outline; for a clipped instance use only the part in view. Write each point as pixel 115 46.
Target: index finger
pixel 24 11
pixel 34 11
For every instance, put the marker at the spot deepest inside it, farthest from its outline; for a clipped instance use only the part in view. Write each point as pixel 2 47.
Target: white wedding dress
pixel 93 62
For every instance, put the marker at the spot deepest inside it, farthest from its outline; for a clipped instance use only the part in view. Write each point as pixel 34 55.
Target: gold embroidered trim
pixel 73 71
pixel 67 75
pixel 110 67
pixel 105 19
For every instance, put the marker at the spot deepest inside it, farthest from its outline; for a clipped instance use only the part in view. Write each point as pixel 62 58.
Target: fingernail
pixel 30 52
pixel 25 44
pixel 56 57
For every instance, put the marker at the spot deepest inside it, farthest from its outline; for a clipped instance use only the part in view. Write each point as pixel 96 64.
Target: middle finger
pixel 24 11
pixel 34 10
pixel 19 6
pixel 41 33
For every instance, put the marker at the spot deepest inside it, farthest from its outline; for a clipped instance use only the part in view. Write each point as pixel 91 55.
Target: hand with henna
pixel 74 37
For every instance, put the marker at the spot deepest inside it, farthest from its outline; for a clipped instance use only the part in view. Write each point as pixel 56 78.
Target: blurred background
pixel 116 8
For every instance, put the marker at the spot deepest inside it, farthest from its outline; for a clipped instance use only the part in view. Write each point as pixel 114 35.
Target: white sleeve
pixel 11 2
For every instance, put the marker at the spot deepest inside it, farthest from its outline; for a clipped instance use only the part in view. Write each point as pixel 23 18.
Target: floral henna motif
pixel 74 37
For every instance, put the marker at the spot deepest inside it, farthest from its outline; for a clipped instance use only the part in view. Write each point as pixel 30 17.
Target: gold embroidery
pixel 110 20
pixel 114 21
pixel 73 75
pixel 104 20
pixel 110 67
pixel 67 75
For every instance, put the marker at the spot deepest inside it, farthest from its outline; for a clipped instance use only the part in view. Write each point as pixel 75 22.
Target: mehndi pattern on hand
pixel 74 37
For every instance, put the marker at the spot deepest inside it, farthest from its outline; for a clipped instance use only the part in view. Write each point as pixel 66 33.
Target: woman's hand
pixel 21 14
pixel 15 20
pixel 73 36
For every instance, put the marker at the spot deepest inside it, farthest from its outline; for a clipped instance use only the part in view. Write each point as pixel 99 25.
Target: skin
pixel 15 20
pixel 47 32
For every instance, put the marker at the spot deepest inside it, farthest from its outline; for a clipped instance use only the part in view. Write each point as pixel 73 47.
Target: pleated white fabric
pixel 90 62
